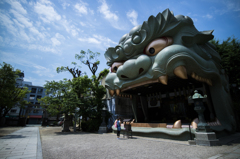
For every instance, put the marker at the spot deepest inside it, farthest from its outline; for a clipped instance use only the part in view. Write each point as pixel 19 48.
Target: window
pixel 40 90
pixel 35 111
pixel 13 110
pixel 34 90
pixel 39 97
pixel 32 97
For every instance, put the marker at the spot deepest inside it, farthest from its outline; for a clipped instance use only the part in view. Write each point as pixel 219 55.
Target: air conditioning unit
pixel 153 102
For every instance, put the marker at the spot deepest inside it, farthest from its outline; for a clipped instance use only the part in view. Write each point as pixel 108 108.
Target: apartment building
pixel 33 112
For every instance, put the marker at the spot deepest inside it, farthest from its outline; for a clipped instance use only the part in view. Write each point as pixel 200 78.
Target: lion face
pixel 168 54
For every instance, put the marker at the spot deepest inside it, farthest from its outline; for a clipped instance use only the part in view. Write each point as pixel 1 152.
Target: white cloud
pixel 23 1
pixel 89 40
pixel 233 5
pixel 111 17
pixel 70 28
pixel 39 47
pixel 104 9
pixel 18 24
pixel 45 2
pixel 82 8
pixel 59 36
pixel 7 23
pixel 23 22
pixel 46 12
pixel 17 6
pixel 37 69
pixel 104 40
pixel 1 39
pixel 229 6
pixel 98 40
pixel 65 5
pixel 194 19
pixel 91 11
pixel 21 18
pixel 23 35
pixel 132 16
pixel 36 32
pixel 56 40
pixel 83 24
pixel 208 16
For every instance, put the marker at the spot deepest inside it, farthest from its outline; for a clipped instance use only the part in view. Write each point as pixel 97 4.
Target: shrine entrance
pixel 158 103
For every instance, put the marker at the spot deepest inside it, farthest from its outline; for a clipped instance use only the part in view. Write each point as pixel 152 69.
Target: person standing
pixel 118 127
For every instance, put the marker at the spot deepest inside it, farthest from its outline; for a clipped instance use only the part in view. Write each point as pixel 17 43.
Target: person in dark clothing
pixel 118 127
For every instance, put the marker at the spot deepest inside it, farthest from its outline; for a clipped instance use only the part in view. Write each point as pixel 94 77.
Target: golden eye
pixel 157 45
pixel 115 66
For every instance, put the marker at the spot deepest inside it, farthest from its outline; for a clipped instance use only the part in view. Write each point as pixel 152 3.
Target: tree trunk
pixel 66 123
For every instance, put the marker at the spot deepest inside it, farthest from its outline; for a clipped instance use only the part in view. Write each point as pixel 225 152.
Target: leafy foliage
pixel 91 125
pixel 60 99
pixel 10 94
pixel 229 51
pixel 87 57
pixel 88 91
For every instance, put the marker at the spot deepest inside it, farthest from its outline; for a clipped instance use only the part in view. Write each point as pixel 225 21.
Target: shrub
pixel 54 123
pixel 91 125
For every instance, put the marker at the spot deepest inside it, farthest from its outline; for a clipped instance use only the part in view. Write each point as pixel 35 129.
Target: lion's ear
pixel 200 38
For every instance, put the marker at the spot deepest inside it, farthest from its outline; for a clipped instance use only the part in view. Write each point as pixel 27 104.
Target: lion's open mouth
pixel 163 83
pixel 167 99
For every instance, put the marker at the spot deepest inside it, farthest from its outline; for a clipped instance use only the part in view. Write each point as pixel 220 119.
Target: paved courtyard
pixel 53 144
pixel 88 145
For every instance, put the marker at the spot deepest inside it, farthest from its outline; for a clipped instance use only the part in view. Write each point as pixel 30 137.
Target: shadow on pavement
pixel 13 136
pixel 71 133
pixel 230 140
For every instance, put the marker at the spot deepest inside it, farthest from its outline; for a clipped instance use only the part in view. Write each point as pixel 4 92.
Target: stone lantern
pixel 200 108
pixel 103 126
pixel 203 135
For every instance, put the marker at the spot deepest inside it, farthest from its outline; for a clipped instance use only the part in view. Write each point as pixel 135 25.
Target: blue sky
pixel 39 36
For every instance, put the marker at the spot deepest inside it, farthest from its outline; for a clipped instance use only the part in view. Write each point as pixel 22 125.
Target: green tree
pixel 10 93
pixel 60 99
pixel 229 51
pixel 91 105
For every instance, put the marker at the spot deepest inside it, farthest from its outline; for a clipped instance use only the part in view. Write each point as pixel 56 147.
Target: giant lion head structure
pixel 167 52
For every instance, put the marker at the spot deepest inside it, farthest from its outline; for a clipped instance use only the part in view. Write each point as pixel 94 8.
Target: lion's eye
pixel 151 50
pixel 115 66
pixel 157 45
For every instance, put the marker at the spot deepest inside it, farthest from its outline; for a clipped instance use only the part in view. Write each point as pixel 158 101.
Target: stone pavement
pixel 234 152
pixel 24 143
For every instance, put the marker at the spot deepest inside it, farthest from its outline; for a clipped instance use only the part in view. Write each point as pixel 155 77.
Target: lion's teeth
pixel 163 79
pixel 209 82
pixel 193 75
pixel 201 79
pixel 180 72
pixel 197 77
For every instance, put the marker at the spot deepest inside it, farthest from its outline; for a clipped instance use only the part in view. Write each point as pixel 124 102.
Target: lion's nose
pixel 133 68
